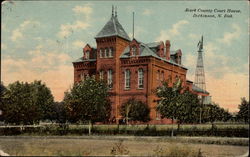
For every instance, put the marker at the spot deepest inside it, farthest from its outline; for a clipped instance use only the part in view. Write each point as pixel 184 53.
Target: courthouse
pixel 132 69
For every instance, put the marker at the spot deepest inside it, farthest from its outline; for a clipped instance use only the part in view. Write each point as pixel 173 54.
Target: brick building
pixel 131 68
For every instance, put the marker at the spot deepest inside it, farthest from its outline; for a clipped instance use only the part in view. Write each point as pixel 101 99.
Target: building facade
pixel 132 69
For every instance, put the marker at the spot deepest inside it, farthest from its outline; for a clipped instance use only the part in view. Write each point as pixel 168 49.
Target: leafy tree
pixel 170 101
pixel 135 110
pixel 213 112
pixel 88 101
pixel 59 113
pixel 188 108
pixel 24 103
pixel 243 114
pixel 42 97
pixel 2 93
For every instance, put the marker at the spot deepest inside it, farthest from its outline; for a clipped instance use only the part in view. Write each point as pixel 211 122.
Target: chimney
pixel 168 49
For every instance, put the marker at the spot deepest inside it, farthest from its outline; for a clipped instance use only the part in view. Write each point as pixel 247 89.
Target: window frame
pixel 110 78
pixel 127 83
pixel 140 78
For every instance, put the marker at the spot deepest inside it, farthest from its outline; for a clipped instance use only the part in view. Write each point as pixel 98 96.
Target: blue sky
pixel 40 39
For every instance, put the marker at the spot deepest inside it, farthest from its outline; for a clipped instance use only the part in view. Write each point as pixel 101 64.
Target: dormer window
pixel 111 52
pixel 133 51
pixel 87 55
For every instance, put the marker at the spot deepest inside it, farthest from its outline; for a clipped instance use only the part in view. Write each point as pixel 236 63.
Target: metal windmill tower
pixel 199 72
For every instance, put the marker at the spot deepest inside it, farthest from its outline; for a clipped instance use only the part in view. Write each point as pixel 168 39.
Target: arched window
pixel 106 53
pixel 140 78
pixel 101 74
pixel 133 51
pixel 87 54
pixel 111 52
pixel 110 80
pixel 127 79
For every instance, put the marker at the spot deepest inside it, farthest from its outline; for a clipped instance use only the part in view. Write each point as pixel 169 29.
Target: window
pixel 158 80
pixel 106 53
pixel 111 52
pixel 101 53
pixel 169 79
pixel 127 79
pixel 87 55
pixel 140 78
pixel 133 51
pixel 110 81
pixel 162 76
pixel 101 74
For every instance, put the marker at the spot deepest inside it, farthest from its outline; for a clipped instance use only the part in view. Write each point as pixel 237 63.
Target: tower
pixel 199 72
pixel 111 42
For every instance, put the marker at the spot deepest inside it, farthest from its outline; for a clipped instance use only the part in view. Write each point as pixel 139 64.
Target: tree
pixel 169 102
pixel 24 103
pixel 59 113
pixel 243 114
pixel 182 106
pixel 188 108
pixel 135 110
pixel 2 93
pixel 213 112
pixel 88 101
pixel 42 97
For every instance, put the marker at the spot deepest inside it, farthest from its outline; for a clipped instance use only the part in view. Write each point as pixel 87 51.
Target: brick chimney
pixel 168 49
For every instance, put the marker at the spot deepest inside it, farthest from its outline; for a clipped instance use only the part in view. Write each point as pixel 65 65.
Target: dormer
pixel 134 48
pixel 176 57
pixel 87 52
pixel 178 54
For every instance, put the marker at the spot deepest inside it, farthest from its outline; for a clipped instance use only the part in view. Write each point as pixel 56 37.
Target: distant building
pixel 132 68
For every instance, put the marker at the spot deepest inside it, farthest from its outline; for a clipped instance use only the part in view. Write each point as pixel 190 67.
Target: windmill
pixel 199 72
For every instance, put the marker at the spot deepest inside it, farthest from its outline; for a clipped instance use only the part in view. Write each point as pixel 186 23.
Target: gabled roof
pixel 113 28
pixel 147 51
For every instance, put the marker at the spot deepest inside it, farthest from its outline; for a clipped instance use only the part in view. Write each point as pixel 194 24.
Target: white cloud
pixel 173 32
pixel 68 29
pixel 147 12
pixel 229 36
pixel 86 10
pixel 18 33
pixel 78 44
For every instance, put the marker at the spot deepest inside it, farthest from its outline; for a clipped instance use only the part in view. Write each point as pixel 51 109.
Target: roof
pixel 145 50
pixel 198 89
pixel 113 28
pixel 153 44
pixel 83 60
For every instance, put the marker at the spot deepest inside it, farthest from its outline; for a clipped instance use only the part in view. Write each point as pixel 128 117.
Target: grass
pixel 113 145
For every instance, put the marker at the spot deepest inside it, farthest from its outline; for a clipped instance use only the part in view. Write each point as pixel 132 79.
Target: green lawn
pixel 102 145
